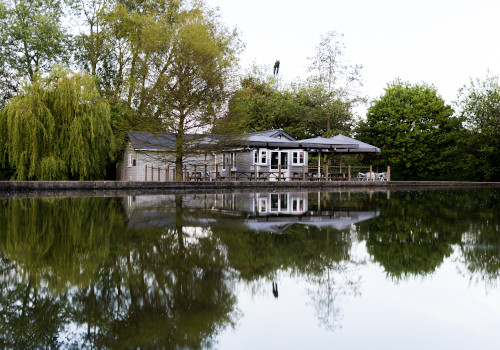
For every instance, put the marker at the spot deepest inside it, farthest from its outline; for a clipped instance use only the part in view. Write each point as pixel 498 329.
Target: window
pixel 233 160
pixel 284 202
pixel 298 158
pixel 255 157
pixel 229 160
pixel 263 156
pixel 284 160
pixel 131 162
pixel 274 160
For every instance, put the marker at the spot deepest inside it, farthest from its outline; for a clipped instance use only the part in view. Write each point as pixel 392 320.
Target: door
pixel 279 158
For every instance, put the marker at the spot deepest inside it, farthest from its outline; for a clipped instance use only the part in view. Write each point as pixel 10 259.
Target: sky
pixel 443 43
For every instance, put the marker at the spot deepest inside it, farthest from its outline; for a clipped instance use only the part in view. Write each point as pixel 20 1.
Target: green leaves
pixel 303 110
pixel 409 123
pixel 32 39
pixel 58 128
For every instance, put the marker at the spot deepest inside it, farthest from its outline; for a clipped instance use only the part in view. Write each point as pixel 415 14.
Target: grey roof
pixel 163 141
pixel 271 138
pixel 362 146
pixel 267 141
pixel 327 144
pixel 277 133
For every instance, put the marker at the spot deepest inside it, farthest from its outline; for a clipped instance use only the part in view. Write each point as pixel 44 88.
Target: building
pixel 270 155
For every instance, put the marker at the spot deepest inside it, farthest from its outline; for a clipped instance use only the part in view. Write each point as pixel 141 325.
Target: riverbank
pixel 14 188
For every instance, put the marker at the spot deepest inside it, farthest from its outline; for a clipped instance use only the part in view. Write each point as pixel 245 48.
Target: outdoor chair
pixel 380 176
pixel 363 176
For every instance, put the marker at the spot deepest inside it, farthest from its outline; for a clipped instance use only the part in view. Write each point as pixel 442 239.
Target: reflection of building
pixel 270 212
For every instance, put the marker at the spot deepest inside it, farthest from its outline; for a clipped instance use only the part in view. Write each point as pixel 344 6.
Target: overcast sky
pixel 440 42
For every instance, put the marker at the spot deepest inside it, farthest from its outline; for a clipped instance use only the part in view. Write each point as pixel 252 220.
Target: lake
pixel 344 269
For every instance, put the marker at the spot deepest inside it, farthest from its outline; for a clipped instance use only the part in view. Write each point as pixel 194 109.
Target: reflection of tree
pixel 321 255
pixel 480 246
pixel 416 229
pixel 336 282
pixel 30 318
pixel 159 288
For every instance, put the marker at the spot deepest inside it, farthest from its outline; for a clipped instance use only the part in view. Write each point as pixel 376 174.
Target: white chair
pixel 380 176
pixel 363 176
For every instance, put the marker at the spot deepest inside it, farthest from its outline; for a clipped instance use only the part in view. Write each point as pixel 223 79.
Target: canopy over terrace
pixel 328 145
pixel 337 144
pixel 362 146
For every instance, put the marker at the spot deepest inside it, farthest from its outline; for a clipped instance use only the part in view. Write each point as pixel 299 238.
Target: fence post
pixel 159 173
pixel 388 173
pixel 303 172
pixel 348 173
pixel 279 172
pixel 152 172
pixel 327 163
pixel 255 173
pixel 370 176
pixel 146 173
pixel 185 173
pixel 205 176
pixel 216 172
pixel 166 173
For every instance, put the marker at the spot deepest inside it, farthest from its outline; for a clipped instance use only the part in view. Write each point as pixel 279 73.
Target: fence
pixel 204 172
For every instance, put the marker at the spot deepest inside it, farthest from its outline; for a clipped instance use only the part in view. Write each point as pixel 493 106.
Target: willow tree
pixel 58 127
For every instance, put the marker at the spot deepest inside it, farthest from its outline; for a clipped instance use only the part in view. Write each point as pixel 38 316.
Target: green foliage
pixel 411 123
pixel 303 110
pixel 479 107
pixel 57 128
pixel 73 261
pixel 166 64
pixel 32 39
pixel 417 230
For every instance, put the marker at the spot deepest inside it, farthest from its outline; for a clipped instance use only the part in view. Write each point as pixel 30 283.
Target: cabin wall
pixel 156 166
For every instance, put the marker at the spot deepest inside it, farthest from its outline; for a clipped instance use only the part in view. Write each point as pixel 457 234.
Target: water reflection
pixel 102 285
pixel 163 271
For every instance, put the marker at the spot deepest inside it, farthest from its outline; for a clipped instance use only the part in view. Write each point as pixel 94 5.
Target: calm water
pixel 344 270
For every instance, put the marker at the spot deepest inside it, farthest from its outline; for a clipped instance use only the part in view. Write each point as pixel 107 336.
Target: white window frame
pixel 223 161
pixel 300 160
pixel 232 158
pixel 263 154
pixel 228 158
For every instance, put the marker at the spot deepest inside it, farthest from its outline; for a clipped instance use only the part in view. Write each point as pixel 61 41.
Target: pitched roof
pixel 276 133
pixel 147 141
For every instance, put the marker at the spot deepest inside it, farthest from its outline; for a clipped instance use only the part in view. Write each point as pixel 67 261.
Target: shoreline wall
pixel 13 188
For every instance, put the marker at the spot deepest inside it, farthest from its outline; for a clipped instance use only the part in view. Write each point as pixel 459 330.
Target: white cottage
pixel 268 155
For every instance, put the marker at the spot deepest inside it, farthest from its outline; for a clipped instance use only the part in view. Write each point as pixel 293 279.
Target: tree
pixel 168 66
pixel 479 107
pixel 58 127
pixel 32 39
pixel 341 80
pixel 409 123
pixel 298 109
